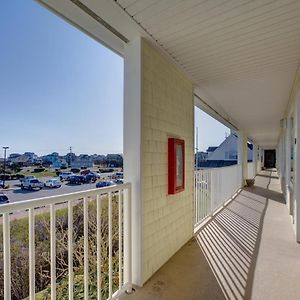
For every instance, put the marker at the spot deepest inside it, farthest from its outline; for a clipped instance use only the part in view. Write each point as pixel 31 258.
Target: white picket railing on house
pixel 213 187
pixel 121 194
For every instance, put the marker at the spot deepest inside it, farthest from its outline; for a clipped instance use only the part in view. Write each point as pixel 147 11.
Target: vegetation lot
pixel 20 253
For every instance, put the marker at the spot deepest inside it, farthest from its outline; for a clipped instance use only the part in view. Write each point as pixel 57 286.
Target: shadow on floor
pixel 267 176
pixel 219 263
pixel 272 195
pixel 231 239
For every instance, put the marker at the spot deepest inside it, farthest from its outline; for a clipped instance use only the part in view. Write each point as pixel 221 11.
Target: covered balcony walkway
pixel 247 250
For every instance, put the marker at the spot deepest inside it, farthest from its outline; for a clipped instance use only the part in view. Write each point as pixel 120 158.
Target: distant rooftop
pixel 211 149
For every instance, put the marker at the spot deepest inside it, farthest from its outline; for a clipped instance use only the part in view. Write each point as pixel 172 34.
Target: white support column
pixel 288 165
pixel 254 159
pixel 243 155
pixel 297 168
pixel 132 148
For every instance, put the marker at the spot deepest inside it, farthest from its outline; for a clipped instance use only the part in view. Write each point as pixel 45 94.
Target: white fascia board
pixel 84 22
pixel 108 11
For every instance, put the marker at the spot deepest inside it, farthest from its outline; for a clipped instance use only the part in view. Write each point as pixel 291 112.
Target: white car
pixel 32 184
pixel 53 183
pixel 27 178
pixel 66 175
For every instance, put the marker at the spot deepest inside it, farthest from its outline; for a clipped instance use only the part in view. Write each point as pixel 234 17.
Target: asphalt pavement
pixel 17 194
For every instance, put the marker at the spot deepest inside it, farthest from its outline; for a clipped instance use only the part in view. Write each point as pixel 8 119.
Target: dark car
pixel 85 172
pixel 3 199
pixel 90 178
pixel 101 184
pixel 76 179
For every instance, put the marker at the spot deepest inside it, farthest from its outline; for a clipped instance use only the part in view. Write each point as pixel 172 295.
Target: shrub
pixel 75 170
pixel 64 167
pixel 19 176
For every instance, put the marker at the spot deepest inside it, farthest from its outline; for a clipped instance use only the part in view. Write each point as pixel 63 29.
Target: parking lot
pixel 17 194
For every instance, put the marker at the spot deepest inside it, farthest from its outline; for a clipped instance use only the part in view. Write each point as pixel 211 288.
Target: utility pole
pixel 70 156
pixel 4 164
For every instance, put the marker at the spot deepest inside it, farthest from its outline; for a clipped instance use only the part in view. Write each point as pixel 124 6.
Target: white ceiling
pixel 242 55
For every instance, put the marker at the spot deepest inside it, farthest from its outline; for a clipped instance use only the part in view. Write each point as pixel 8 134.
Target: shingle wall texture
pixel 167 111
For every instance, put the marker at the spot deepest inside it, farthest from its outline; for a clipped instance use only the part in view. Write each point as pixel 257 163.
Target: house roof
pixel 216 163
pixel 211 149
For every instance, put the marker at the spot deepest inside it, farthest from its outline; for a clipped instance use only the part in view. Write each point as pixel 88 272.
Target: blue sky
pixel 210 131
pixel 60 88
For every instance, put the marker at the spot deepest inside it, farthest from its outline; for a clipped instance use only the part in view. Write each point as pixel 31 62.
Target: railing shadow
pixel 230 241
pixel 267 176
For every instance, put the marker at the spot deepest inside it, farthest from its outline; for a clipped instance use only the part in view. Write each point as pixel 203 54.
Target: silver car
pixel 53 183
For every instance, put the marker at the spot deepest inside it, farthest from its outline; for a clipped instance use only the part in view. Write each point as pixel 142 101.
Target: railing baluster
pixel 110 244
pixel 120 238
pixel 70 249
pixel 6 256
pixel 53 250
pixel 31 254
pixel 99 237
pixel 127 238
pixel 123 192
pixel 86 247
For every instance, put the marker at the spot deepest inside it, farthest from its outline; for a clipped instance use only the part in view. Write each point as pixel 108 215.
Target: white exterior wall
pixel 229 145
pixel 158 104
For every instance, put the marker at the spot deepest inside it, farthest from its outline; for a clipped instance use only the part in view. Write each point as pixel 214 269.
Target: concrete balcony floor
pixel 246 251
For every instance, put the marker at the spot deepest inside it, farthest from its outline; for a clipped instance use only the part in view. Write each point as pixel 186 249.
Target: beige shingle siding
pixel 167 110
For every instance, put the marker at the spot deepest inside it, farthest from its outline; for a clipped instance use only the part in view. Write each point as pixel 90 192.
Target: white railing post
pixel 99 236
pixel 127 240
pixel 110 245
pixel 31 254
pixel 86 247
pixel 6 256
pixel 70 249
pixel 120 206
pixel 53 250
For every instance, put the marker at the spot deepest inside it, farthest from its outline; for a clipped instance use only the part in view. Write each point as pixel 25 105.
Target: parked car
pixel 101 184
pixel 27 178
pixel 76 179
pixel 53 183
pixel 90 178
pixel 66 175
pixel 119 181
pixel 119 175
pixel 85 172
pixel 3 199
pixel 32 184
pixel 98 175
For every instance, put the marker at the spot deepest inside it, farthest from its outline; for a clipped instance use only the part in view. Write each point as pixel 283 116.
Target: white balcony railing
pixel 213 187
pixel 116 229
